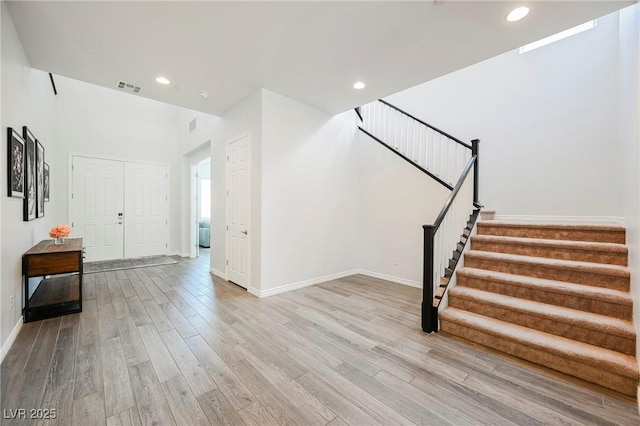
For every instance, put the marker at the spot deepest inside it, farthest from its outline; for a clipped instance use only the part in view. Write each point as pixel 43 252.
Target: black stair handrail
pixel 429 308
pixel 429 311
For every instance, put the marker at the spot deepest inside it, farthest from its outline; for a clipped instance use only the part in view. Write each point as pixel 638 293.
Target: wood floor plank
pixel 158 316
pixel 256 415
pixel 188 364
pixel 348 351
pixel 161 359
pixel 182 305
pixel 152 405
pixel 60 399
pixel 107 322
pixel 141 290
pixel 329 396
pixel 138 311
pixel 365 401
pixel 132 344
pixel 120 307
pixel 117 386
pixel 88 287
pixel 128 417
pixel 64 357
pixel 183 403
pixel 180 323
pixel 232 387
pixel 103 297
pixel 127 288
pixel 218 409
pixel 283 410
pixel 155 292
pixel 88 368
pixel 305 401
pixel 89 410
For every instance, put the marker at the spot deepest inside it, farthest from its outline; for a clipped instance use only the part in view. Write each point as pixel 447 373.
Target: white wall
pixel 27 99
pixel 98 122
pixel 547 121
pixel 194 146
pixel 309 175
pixel 244 118
pixel 629 89
pixel 394 201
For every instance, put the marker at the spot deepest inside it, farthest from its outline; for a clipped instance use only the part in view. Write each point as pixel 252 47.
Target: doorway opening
pixel 202 207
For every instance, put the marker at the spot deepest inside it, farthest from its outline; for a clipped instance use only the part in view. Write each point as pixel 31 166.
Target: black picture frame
pixel 29 207
pixel 15 166
pixel 39 179
pixel 47 182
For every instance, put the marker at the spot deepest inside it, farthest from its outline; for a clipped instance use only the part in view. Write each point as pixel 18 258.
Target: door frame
pixel 124 160
pixel 226 202
pixel 190 161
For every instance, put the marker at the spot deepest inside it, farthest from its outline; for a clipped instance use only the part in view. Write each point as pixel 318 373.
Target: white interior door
pixel 145 210
pixel 238 202
pixel 96 202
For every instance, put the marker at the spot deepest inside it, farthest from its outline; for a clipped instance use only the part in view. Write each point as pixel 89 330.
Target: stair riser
pixel 602 307
pixel 548 325
pixel 582 276
pixel 609 380
pixel 552 252
pixel 553 234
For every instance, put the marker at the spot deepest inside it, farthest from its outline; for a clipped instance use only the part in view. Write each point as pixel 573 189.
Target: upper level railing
pixel 452 163
pixel 437 153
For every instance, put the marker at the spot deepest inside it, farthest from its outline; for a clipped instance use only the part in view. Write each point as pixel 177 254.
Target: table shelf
pixel 60 290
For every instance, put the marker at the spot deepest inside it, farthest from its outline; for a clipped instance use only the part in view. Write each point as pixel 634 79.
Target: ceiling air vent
pixel 129 87
pixel 192 125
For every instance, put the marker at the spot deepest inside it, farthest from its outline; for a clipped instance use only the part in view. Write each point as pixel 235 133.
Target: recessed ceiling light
pixel 359 85
pixel 162 80
pixel 517 14
pixel 204 94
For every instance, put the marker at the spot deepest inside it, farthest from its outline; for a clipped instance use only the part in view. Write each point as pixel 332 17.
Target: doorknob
pixel 244 232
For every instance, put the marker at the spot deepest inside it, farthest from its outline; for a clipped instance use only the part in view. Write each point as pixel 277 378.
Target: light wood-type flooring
pixel 171 345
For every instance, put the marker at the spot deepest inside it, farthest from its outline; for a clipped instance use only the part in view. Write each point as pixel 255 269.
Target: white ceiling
pixel 309 51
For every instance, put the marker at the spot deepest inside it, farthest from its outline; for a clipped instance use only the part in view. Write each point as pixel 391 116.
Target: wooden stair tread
pixel 595 268
pixel 596 322
pixel 567 244
pixel 605 359
pixel 561 287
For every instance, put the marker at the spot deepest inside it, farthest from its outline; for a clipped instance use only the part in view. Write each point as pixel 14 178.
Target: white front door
pixel 145 210
pixel 97 206
pixel 238 205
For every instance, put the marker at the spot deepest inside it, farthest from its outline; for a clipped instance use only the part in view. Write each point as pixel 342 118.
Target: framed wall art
pixel 39 179
pixel 46 182
pixel 29 210
pixel 16 163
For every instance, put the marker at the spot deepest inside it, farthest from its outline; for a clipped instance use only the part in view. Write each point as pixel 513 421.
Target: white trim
pixel 393 279
pixel 10 339
pixel 218 273
pixel 299 284
pixel 560 219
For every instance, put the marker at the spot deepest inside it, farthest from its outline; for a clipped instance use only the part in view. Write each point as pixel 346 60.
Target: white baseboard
pixel 12 338
pixel 393 279
pixel 611 220
pixel 300 284
pixel 218 273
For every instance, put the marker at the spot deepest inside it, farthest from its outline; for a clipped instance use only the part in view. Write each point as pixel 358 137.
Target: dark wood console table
pixel 59 292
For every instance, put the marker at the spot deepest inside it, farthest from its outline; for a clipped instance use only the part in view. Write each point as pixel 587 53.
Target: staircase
pixel 554 295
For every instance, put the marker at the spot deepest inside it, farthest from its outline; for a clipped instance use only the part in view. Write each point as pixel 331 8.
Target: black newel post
pixel 475 151
pixel 428 323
